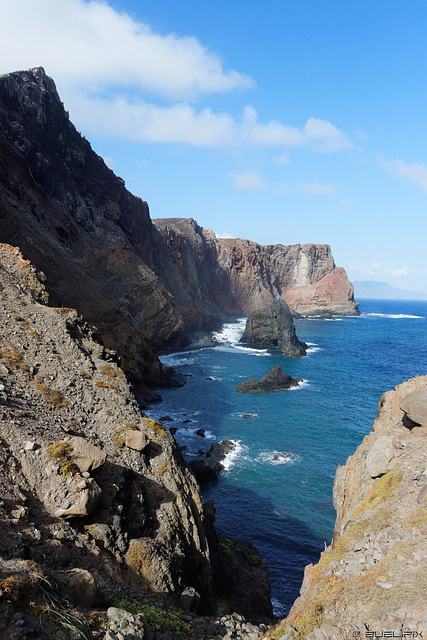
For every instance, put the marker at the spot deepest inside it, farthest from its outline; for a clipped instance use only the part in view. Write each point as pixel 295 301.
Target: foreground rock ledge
pixel 374 574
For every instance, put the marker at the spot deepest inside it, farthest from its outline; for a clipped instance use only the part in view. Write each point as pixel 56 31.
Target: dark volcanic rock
pixel 208 468
pixel 274 380
pixel 274 327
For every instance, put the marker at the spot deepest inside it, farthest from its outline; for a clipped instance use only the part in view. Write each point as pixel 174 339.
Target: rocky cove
pixel 96 499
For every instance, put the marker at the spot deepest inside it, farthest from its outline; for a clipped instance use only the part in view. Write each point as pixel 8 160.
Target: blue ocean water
pixel 277 489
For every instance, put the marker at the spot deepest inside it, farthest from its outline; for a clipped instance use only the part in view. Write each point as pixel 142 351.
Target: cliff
pixel 87 481
pixel 373 577
pixel 142 285
pixel 239 276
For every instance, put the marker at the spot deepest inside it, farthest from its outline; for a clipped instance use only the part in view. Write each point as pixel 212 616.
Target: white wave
pixel 311 344
pixel 278 457
pixel 232 348
pixel 279 609
pixel 301 385
pixel 231 332
pixel 189 431
pixel 231 458
pixel 392 315
pixel 178 359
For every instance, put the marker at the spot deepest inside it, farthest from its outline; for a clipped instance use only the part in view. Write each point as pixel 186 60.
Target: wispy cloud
pixel 416 173
pixel 377 269
pixel 224 235
pixel 317 189
pixel 248 181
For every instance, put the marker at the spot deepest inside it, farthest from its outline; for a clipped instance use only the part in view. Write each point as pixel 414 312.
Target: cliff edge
pixel 372 580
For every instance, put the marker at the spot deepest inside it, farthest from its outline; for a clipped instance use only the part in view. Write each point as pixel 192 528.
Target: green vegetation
pixel 254 560
pixel 228 547
pixel 155 427
pixel 156 617
pixel 384 490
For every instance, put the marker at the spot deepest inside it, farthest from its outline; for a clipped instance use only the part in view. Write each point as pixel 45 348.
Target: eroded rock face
pixel 274 327
pixel 371 577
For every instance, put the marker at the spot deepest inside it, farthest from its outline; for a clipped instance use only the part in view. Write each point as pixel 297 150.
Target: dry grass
pixel 112 372
pixel 385 489
pixel 13 358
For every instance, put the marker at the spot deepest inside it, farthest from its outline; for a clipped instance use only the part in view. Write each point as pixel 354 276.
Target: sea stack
pixel 274 327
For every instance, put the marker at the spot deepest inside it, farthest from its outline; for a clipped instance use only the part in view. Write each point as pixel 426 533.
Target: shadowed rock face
pixel 274 327
pixel 79 463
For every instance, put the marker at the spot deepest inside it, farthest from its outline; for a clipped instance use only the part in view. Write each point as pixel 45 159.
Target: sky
pixel 286 121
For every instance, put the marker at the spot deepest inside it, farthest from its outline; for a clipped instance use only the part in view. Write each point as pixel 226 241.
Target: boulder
pixel 208 468
pixel 415 407
pixel 274 380
pixel 86 455
pixel 379 456
pixel 75 499
pixel 274 327
pixel 81 587
pixel 136 440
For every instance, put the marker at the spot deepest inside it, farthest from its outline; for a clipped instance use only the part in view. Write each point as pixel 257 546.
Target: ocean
pixel 276 491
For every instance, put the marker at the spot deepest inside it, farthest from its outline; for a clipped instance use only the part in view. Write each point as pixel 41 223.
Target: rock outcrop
pixel 85 479
pixel 274 327
pixel 210 466
pixel 372 579
pixel 274 380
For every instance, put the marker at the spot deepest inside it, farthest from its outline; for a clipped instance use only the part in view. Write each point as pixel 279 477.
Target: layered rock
pixel 274 327
pixel 275 380
pixel 373 576
pixel 85 479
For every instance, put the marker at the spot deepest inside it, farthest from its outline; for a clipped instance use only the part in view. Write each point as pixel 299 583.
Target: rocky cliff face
pixel 142 285
pixel 372 579
pixel 85 479
pixel 239 276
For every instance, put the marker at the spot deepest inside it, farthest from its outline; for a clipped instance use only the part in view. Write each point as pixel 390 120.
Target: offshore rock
pixel 208 468
pixel 274 380
pixel 274 326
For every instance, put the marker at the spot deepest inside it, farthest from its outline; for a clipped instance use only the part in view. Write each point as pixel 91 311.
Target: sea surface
pixel 276 490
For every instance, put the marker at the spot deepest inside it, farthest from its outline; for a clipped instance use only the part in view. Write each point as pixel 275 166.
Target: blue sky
pixel 282 122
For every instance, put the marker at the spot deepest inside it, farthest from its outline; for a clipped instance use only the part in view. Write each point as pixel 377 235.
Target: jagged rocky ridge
pixel 86 480
pixel 141 284
pixel 372 579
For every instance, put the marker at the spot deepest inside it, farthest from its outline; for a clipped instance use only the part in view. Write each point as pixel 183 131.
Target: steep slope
pixel 85 479
pixel 74 218
pixel 373 578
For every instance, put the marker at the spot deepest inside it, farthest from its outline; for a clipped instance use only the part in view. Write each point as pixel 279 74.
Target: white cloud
pixel 416 173
pixel 111 71
pixel 284 158
pixel 317 189
pixel 248 181
pixel 346 205
pixel 90 44
pixel 224 235
pixel 377 268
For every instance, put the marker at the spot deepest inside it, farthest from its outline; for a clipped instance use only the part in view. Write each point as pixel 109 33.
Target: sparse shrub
pixel 162 469
pixel 60 451
pixel 112 372
pixel 254 560
pixel 101 384
pixel 87 376
pixel 156 617
pixel 52 396
pixel 155 427
pixel 227 547
pixel 13 358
